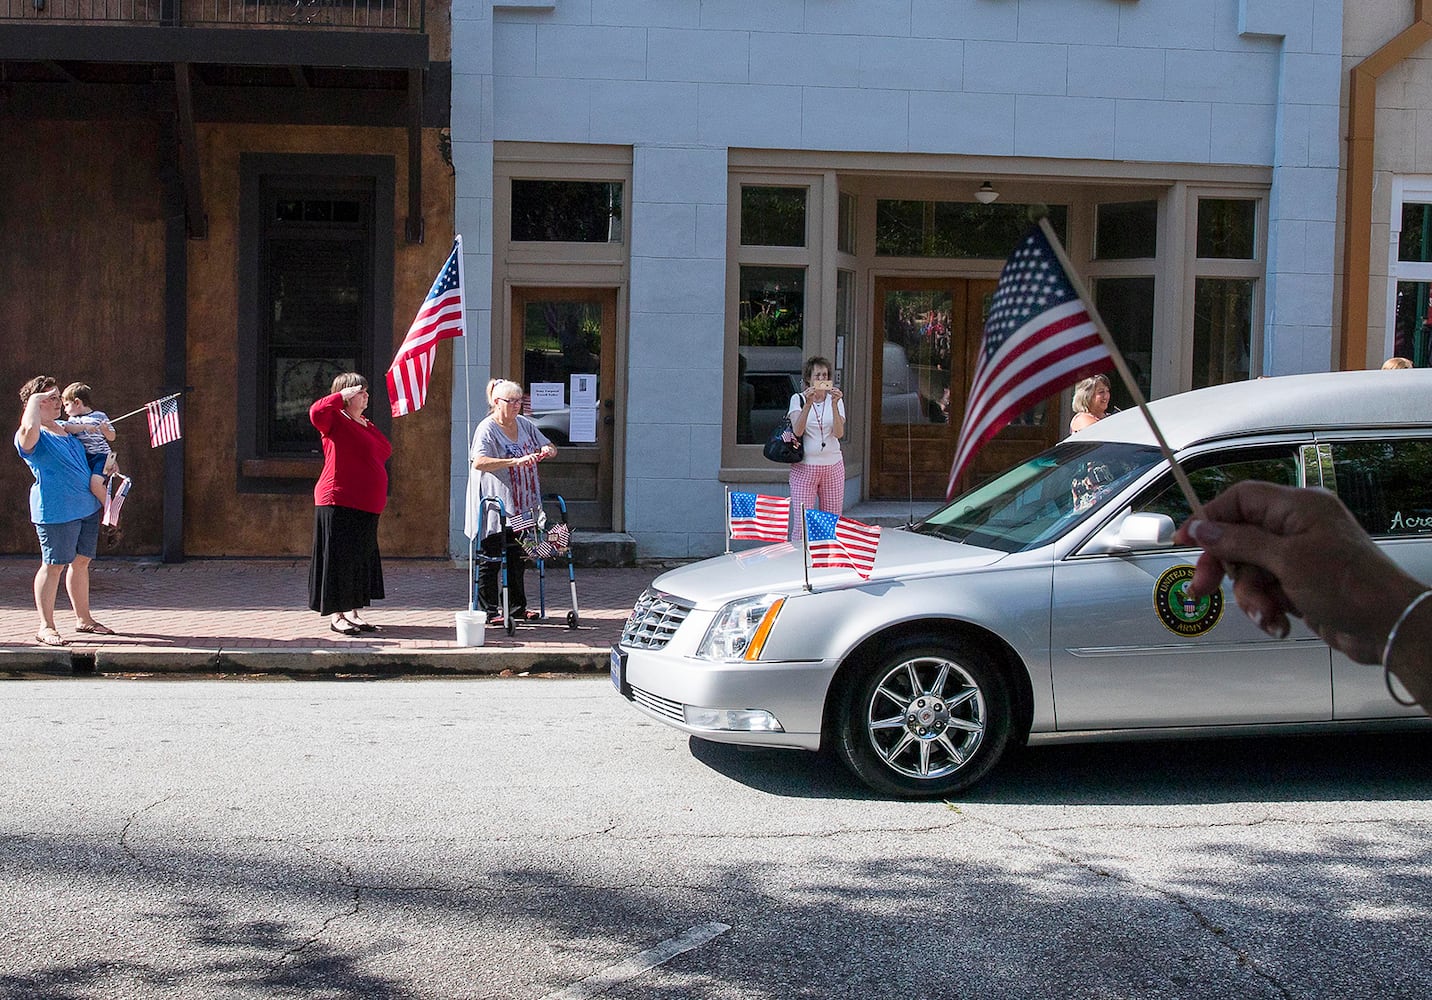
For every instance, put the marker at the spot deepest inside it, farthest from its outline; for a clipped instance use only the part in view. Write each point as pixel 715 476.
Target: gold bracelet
pixel 1391 638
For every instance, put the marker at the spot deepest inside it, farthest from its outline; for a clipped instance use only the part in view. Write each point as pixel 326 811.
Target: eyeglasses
pixel 500 399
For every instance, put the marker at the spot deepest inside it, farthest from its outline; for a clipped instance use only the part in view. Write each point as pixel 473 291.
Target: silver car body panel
pixel 1098 659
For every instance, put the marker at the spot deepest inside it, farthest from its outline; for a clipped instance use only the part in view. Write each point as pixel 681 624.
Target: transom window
pixel 563 211
pixel 955 229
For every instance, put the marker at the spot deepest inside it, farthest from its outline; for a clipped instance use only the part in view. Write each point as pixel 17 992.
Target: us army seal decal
pixel 1181 612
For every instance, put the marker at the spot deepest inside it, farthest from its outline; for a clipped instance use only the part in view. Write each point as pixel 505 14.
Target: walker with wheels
pixel 541 539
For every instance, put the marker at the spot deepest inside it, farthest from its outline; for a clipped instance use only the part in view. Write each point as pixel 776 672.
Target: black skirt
pixel 347 571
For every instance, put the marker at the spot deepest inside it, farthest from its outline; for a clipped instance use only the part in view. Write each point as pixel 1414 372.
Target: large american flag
pixel 163 417
pixel 841 542
pixel 1038 338
pixel 759 518
pixel 441 317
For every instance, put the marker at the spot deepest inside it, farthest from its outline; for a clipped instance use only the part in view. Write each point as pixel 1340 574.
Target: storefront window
pixel 1227 228
pixel 1222 330
pixel 1126 230
pixel 1127 305
pixel 773 217
pixel 770 348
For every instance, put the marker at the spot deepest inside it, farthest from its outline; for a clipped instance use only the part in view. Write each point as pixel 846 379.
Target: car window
pixel 1038 500
pixel 1213 473
pixel 1386 484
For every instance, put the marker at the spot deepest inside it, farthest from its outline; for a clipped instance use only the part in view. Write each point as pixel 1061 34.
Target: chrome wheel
pixel 926 718
pixel 925 715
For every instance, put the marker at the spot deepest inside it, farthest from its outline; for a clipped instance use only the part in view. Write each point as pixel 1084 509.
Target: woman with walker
pixel 509 446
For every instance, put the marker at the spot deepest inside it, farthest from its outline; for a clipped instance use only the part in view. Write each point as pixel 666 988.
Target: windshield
pixel 1038 501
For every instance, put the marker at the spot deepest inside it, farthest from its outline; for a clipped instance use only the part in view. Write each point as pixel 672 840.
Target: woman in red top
pixel 347 571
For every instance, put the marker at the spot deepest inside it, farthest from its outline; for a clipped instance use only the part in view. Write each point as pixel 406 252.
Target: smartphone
pixel 825 384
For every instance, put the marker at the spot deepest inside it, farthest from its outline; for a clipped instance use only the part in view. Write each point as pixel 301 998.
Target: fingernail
pixel 1205 532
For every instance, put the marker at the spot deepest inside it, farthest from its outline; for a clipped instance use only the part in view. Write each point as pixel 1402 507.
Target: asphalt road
pixel 537 838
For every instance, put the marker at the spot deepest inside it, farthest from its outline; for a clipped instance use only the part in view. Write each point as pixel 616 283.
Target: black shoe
pixel 344 628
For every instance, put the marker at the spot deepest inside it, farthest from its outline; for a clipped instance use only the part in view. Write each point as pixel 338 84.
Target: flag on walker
pixel 163 420
pixel 441 317
pixel 759 518
pixel 1038 338
pixel 841 542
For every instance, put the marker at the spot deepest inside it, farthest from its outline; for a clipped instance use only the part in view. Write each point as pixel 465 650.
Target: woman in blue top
pixel 62 508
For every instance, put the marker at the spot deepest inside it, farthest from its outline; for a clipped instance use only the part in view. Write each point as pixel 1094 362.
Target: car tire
pixel 928 716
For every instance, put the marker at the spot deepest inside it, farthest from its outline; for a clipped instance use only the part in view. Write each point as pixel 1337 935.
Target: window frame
pixel 1255 268
pixel 1416 188
pixel 818 335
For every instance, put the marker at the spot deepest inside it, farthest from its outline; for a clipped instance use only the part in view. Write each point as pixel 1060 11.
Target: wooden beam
pixel 414 228
pixel 240 47
pixel 300 78
pixel 197 221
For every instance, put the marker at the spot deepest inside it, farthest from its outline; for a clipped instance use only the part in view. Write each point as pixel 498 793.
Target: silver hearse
pixel 1049 603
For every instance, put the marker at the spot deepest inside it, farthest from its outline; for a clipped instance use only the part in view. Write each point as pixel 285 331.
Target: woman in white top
pixel 818 419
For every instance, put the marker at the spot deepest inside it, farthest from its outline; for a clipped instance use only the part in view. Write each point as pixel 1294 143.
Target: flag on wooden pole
pixel 1038 338
pixel 1041 335
pixel 442 316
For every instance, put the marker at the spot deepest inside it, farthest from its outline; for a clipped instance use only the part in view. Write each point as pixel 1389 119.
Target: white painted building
pixel 684 198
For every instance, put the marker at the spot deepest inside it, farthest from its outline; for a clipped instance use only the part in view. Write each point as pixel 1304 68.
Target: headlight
pixel 740 629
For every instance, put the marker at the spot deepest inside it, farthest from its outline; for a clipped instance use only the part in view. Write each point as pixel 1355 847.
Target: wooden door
pixel 927 335
pixel 567 337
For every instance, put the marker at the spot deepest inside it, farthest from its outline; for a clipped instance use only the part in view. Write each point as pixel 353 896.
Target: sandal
pixel 48 636
pixel 94 628
pixel 345 627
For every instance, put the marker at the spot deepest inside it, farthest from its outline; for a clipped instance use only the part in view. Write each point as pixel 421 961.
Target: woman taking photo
pixel 1091 402
pixel 509 446
pixel 347 571
pixel 818 419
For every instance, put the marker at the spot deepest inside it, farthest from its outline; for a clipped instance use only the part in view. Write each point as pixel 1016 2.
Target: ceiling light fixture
pixel 986 194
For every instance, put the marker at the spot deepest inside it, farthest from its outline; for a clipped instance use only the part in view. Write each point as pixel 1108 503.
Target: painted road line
pixel 615 975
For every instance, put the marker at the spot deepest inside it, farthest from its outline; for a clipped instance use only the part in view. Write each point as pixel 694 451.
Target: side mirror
pixel 1131 533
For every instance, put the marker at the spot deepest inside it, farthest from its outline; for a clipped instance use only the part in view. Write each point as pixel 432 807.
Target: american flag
pixel 441 317
pixel 841 542
pixel 553 542
pixel 523 521
pixel 1038 338
pixel 759 518
pixel 163 420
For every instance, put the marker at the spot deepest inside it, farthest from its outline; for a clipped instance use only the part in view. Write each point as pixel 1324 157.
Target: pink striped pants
pixel 816 487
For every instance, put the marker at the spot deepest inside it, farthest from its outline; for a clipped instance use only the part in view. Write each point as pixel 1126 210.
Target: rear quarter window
pixel 1386 484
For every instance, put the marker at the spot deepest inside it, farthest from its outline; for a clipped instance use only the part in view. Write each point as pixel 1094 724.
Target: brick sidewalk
pixel 253 615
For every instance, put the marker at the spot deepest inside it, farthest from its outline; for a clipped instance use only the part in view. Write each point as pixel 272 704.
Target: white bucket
pixel 471 628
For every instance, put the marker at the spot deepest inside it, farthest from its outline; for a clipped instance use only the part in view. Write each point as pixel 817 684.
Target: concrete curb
pixel 19 662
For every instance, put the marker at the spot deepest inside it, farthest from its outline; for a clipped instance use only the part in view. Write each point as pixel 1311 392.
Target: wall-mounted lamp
pixel 986 194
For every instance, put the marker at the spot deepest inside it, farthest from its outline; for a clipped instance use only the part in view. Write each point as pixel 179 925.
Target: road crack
pixel 1216 932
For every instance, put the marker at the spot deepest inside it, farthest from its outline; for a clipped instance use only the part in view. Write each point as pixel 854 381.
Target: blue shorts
pixel 97 462
pixel 60 543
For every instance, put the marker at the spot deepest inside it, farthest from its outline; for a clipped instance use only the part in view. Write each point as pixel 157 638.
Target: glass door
pixel 563 354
